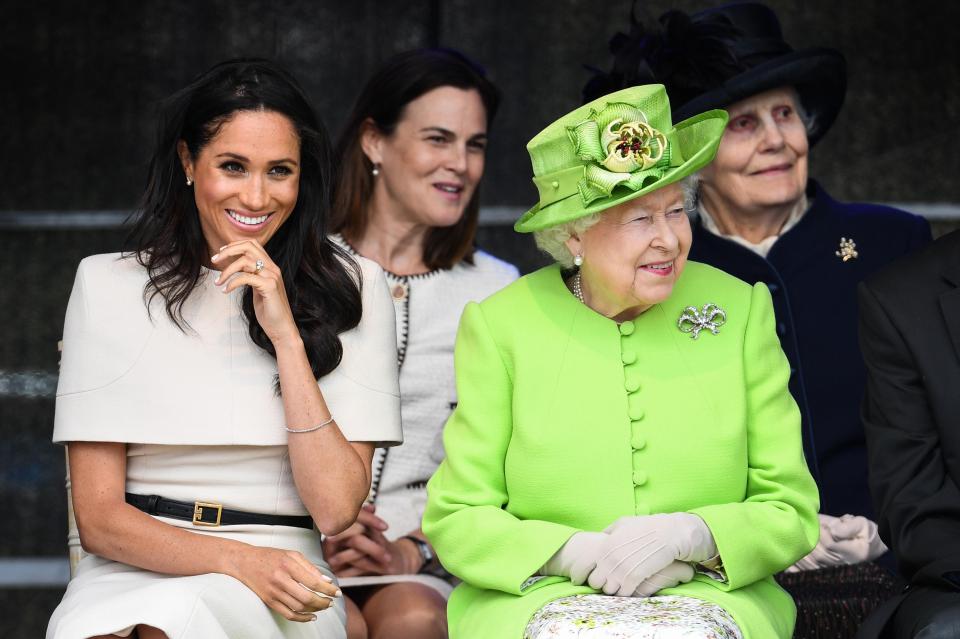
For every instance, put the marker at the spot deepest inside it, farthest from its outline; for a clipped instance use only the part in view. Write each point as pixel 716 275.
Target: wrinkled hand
pixel 843 540
pixel 639 547
pixel 576 558
pixel 285 581
pixel 239 263
pixel 677 572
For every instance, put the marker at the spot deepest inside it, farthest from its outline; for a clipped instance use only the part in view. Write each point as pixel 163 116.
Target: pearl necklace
pixel 577 290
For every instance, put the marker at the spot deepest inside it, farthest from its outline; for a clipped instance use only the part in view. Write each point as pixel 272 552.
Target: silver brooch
pixel 848 250
pixel 710 317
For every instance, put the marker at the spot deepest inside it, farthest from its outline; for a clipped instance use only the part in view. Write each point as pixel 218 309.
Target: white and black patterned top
pixel 428 308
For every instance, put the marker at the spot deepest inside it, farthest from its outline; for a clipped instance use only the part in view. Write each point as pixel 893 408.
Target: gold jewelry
pixel 848 250
pixel 311 429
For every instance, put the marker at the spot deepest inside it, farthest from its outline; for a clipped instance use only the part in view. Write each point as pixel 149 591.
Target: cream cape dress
pixel 202 423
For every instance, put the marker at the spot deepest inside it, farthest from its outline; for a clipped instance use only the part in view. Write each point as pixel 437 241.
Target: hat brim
pixel 698 138
pixel 819 75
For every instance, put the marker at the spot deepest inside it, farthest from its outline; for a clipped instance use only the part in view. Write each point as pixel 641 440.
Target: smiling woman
pixel 761 218
pixel 240 197
pixel 758 179
pixel 624 426
pixel 209 443
pixel 410 162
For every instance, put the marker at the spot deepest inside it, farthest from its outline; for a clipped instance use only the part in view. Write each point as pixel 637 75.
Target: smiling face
pixel 634 255
pixel 762 159
pixel 429 167
pixel 246 179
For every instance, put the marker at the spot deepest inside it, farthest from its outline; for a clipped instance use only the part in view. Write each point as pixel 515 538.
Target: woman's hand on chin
pixel 246 263
pixel 284 580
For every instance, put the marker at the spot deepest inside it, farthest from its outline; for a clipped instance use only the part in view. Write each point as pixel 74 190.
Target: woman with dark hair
pixel 410 161
pixel 203 450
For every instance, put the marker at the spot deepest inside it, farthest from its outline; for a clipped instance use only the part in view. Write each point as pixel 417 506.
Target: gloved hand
pixel 638 547
pixel 843 540
pixel 677 572
pixel 577 557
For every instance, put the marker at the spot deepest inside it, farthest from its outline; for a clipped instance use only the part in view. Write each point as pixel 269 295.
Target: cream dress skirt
pixel 107 597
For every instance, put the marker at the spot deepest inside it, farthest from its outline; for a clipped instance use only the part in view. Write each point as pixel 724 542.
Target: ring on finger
pixel 258 266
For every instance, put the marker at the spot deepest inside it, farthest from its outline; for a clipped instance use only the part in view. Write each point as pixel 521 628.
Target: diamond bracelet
pixel 311 429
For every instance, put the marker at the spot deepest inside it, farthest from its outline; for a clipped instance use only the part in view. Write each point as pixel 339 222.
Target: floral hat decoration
pixel 616 148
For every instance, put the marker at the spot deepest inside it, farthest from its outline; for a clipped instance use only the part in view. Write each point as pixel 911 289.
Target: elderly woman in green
pixel 624 427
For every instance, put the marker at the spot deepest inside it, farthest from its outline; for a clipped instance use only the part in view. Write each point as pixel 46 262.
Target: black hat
pixel 713 58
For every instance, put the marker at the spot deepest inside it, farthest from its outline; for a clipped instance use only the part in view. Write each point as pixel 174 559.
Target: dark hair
pixel 322 282
pixel 397 82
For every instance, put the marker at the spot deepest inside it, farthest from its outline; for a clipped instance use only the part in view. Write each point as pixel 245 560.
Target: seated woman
pixel 762 218
pixel 203 451
pixel 624 424
pixel 410 161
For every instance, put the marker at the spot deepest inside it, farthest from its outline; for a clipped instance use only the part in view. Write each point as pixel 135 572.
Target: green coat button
pixel 638 441
pixel 628 357
pixel 639 477
pixel 626 328
pixel 632 384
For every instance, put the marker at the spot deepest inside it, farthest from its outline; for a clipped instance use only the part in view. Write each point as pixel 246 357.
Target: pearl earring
pixel 376 170
pixel 189 181
pixel 578 260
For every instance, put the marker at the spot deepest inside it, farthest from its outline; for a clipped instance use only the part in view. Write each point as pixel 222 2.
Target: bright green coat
pixel 567 421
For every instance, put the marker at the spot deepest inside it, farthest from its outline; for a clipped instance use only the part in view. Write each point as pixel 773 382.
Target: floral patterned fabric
pixel 605 617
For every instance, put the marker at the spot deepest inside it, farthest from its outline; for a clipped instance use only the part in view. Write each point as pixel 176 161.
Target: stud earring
pixel 376 170
pixel 189 181
pixel 578 260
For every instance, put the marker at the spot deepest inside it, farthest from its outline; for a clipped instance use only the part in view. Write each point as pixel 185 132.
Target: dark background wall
pixel 82 79
pixel 85 77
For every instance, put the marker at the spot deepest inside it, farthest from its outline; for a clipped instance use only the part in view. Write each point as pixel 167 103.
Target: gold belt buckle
pixel 198 507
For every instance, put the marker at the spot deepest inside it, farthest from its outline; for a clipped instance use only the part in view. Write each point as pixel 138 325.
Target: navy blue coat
pixel 815 299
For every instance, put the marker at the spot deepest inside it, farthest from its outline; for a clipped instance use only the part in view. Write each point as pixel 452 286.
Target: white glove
pixel 843 540
pixel 577 557
pixel 677 572
pixel 638 547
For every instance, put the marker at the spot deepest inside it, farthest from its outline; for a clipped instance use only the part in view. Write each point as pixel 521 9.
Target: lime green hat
pixel 614 149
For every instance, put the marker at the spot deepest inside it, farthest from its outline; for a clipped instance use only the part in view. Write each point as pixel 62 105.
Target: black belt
pixel 202 513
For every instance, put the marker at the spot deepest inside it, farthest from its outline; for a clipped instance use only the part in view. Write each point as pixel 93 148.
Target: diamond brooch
pixel 711 317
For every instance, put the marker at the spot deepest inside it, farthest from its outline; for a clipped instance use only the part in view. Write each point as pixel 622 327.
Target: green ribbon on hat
pixel 620 149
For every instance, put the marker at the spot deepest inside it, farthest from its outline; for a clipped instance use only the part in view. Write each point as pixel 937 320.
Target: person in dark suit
pixel 910 339
pixel 762 219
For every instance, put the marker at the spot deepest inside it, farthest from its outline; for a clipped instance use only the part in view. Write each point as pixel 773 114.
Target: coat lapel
pixel 950 300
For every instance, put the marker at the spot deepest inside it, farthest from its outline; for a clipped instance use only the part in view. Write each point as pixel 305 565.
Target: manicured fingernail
pixel 327 579
pixel 214 258
pixel 313 617
pixel 223 247
pixel 338 593
pixel 224 289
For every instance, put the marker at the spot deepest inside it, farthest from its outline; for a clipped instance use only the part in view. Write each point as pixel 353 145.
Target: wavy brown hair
pixel 397 82
pixel 322 281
